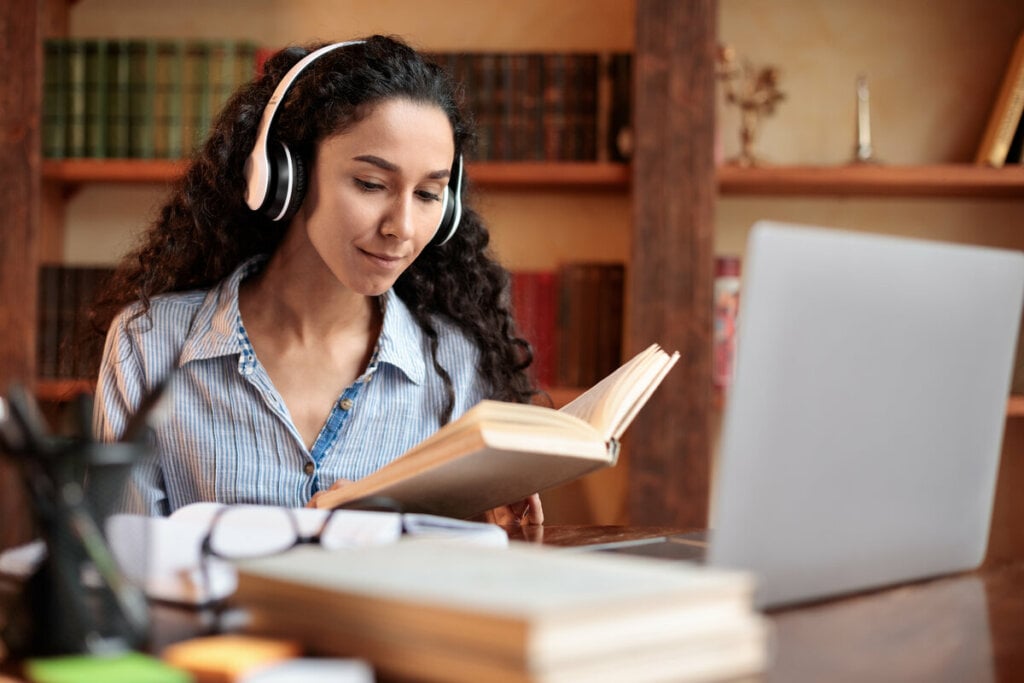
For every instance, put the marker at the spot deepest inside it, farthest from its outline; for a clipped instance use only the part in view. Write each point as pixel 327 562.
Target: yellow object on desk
pixel 228 658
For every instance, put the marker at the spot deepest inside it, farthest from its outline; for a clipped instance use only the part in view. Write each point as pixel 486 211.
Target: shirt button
pixel 345 404
pixel 309 468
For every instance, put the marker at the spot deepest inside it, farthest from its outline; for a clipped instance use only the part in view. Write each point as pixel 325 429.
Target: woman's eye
pixel 429 196
pixel 368 185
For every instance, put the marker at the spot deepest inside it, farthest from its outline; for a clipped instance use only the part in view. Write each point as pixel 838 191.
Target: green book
pixel 167 118
pixel 142 93
pixel 55 93
pixel 195 94
pixel 75 141
pixel 204 92
pixel 132 667
pixel 223 75
pixel 118 98
pixel 96 98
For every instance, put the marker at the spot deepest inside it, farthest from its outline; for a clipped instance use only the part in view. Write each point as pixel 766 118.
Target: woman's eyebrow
pixel 386 165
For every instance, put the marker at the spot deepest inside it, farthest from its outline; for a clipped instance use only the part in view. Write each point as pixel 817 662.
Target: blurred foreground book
pixel 422 611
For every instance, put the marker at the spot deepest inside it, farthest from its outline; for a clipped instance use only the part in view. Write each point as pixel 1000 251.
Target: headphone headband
pixel 257 166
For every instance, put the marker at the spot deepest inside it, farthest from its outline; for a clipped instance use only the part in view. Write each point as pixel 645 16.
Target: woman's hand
pixel 524 513
pixel 336 485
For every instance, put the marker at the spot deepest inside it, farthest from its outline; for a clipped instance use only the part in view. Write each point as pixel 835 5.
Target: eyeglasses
pixel 243 532
pixel 240 532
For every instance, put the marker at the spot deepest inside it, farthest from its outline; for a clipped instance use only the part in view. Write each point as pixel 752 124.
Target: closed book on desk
pixel 498 453
pixel 423 611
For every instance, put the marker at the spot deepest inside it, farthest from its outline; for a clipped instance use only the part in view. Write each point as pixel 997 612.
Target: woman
pixel 314 339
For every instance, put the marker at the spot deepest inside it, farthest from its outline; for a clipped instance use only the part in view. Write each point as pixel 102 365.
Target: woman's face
pixel 376 192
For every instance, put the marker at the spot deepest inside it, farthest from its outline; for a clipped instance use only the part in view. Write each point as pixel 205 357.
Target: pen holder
pixel 79 600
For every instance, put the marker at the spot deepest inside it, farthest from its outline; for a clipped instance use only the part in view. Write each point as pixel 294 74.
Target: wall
pixel 933 68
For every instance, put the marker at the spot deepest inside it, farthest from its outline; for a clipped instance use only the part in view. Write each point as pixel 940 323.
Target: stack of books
pixel 428 611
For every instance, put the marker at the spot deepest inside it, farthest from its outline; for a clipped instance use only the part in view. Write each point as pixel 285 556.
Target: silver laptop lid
pixel 862 433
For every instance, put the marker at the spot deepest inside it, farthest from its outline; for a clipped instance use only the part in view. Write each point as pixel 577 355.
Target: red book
pixel 534 306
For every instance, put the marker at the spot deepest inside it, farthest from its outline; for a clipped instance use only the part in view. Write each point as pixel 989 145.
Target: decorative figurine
pixel 755 91
pixel 863 152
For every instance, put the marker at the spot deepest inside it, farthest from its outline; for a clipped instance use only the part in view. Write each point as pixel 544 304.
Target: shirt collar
pixel 401 339
pixel 215 331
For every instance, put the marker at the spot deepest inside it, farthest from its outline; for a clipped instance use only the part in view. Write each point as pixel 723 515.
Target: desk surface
pixel 967 627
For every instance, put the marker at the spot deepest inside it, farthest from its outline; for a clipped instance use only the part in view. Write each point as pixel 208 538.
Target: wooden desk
pixel 968 627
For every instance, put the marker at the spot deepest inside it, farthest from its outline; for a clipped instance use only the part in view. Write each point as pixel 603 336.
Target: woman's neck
pixel 306 303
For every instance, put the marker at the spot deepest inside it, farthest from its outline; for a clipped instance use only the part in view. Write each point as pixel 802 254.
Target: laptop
pixel 862 433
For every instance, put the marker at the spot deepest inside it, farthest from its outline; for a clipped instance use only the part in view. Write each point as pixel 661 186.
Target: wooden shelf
pixel 517 175
pixel 864 180
pixel 874 180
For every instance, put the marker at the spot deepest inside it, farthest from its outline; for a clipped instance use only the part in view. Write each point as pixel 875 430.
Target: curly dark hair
pixel 205 229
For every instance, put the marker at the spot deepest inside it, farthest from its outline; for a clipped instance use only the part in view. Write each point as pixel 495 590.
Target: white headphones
pixel 275 177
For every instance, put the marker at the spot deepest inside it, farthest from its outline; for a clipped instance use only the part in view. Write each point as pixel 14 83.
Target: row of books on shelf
pixel 145 98
pixel 546 106
pixel 65 295
pixel 572 317
pixel 156 98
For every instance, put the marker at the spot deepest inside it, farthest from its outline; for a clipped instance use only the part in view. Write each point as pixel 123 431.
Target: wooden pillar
pixel 20 96
pixel 670 280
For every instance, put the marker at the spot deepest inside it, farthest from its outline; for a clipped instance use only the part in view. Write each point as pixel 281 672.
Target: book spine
pixel 532 99
pixel 49 318
pixel 54 98
pixel 554 107
pixel 204 103
pixel 65 321
pixel 118 99
pixel 484 97
pixel 586 107
pixel 534 301
pixel 174 68
pixel 609 319
pixel 142 80
pixel 96 100
pixel 1006 112
pixel 227 80
pixel 619 138
pixel 75 142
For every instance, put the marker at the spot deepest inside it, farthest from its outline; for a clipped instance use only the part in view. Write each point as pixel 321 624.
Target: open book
pixel 499 453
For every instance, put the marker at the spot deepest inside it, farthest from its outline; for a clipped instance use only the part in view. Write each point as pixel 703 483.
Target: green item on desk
pixel 132 667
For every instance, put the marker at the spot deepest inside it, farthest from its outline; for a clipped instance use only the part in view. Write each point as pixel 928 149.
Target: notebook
pixel 862 433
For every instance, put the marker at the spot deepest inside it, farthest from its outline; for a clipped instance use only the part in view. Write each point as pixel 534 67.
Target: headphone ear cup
pixel 286 182
pixel 298 173
pixel 451 214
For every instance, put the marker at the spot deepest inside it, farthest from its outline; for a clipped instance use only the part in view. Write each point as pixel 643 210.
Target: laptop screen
pixel 862 431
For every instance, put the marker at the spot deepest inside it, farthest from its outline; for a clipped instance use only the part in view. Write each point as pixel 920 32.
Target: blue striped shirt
pixel 228 436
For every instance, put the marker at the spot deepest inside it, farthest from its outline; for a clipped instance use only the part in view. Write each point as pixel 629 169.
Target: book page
pixel 611 404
